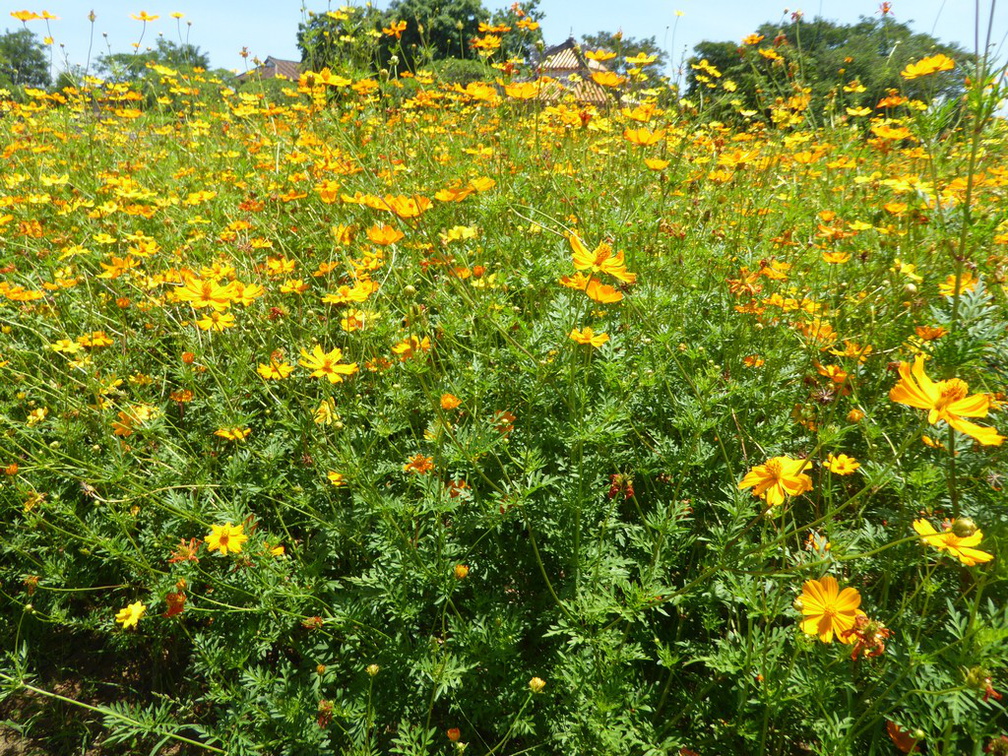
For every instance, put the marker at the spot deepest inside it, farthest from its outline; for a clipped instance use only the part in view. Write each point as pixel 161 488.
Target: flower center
pixel 950 391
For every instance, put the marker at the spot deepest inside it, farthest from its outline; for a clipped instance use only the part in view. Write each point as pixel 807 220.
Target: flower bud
pixel 454 734
pixel 461 570
pixel 964 527
pixel 372 669
pixel 536 684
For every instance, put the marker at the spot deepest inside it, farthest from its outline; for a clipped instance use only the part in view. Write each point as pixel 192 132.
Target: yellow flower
pixel 275 370
pixel 945 401
pixel 841 464
pixel 336 478
pixel 928 66
pixel 827 610
pixel 777 478
pixel 600 261
pixel 588 336
pixel 227 537
pixel 384 235
pixel 958 546
pixel 36 416
pixel 130 616
pixel 216 321
pixel 233 434
pixel 143 16
pixel 327 364
pixel 325 413
pixel 205 292
pixel 966 283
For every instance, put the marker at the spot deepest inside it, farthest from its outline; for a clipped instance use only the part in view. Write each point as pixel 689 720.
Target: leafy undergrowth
pixel 385 417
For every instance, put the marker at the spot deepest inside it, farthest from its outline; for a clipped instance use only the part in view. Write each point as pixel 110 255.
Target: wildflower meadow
pixel 371 412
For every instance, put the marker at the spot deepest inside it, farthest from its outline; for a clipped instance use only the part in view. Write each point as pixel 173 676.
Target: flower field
pixel 374 415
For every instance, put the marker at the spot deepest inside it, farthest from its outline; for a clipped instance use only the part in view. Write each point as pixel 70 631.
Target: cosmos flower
pixel 588 336
pixel 778 478
pixel 327 364
pixel 130 616
pixel 841 464
pixel 827 610
pixel 226 537
pixel 946 401
pixel 927 66
pixel 958 544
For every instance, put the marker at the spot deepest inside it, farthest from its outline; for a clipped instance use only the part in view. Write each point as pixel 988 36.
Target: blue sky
pixel 269 27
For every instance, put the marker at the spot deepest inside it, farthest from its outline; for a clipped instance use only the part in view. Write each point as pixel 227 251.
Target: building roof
pixel 559 62
pixel 567 56
pixel 273 68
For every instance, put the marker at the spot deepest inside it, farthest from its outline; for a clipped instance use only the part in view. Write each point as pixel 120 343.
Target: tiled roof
pixel 567 57
pixel 585 90
pixel 272 68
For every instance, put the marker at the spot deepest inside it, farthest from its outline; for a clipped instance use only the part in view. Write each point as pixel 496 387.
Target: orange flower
pixel 928 66
pixel 419 465
pixel 608 79
pixel 827 610
pixel 904 741
pixel 945 401
pixel 406 207
pixel 449 401
pixel 643 137
pixel 411 346
pixel 524 90
pixel 602 293
pixel 395 30
pixel 841 464
pixel 588 336
pixel 778 478
pixel 600 261
pixel 384 235
pixel 959 546
pixel 327 364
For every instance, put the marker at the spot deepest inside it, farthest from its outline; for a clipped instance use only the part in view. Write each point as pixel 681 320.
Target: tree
pixel 435 29
pixel 854 65
pixel 409 33
pixel 627 47
pixel 343 40
pixel 133 66
pixel 23 61
pixel 524 33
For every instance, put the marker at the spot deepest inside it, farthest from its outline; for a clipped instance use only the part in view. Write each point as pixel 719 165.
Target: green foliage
pixel 489 525
pixel 458 71
pixel 136 65
pixel 23 60
pixel 627 47
pixel 823 57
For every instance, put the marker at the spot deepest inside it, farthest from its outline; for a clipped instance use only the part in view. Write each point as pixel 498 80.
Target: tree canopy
pixel 23 60
pixel 132 66
pixel 627 47
pixel 412 33
pixel 858 63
